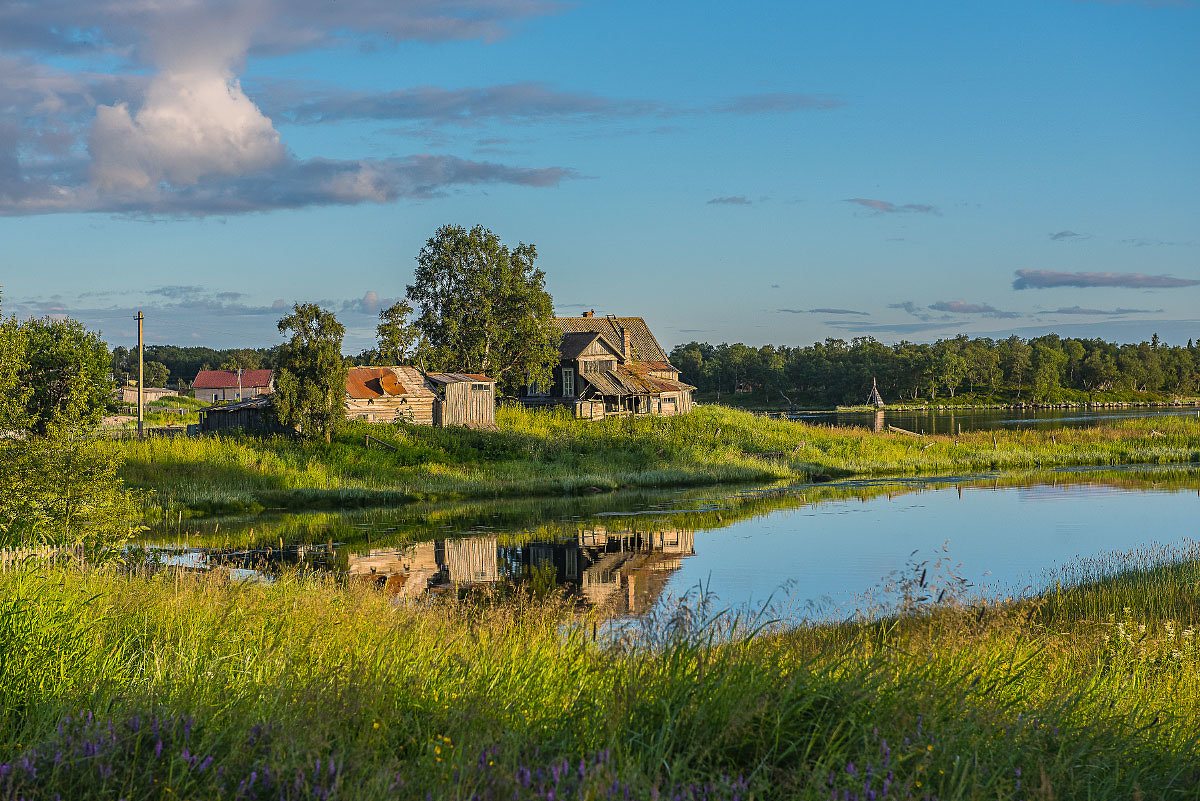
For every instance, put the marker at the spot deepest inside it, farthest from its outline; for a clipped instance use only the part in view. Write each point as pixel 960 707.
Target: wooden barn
pixel 611 366
pixel 251 415
pixel 389 395
pixel 464 399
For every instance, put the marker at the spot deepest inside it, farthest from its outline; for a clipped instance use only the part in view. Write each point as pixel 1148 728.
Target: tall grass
pixel 543 453
pixel 188 686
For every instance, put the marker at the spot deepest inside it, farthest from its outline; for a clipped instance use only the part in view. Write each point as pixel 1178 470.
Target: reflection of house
pixel 226 385
pixel 623 571
pixel 130 394
pixel 611 366
pixel 391 394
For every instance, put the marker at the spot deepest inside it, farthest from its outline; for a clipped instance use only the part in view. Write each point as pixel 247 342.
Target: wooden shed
pixel 389 395
pixel 251 415
pixel 463 399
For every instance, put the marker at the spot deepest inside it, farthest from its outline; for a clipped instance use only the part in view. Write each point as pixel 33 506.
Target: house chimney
pixel 625 343
pixel 591 313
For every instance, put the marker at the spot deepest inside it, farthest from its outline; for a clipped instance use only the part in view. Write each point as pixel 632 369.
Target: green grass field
pixel 539 453
pixel 176 685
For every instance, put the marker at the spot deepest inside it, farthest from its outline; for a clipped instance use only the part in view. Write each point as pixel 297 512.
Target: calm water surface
pixel 946 422
pixel 812 549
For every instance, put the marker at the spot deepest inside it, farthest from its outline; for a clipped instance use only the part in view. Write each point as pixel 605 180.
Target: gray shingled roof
pixel 643 344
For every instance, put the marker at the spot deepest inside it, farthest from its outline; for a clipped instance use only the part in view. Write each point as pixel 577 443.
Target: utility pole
pixel 141 344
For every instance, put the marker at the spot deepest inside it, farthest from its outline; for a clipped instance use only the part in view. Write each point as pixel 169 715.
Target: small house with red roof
pixel 216 386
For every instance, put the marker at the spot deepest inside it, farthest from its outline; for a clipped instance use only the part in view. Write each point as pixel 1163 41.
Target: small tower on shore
pixel 875 399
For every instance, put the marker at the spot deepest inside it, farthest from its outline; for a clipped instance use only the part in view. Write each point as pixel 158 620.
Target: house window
pixel 568 382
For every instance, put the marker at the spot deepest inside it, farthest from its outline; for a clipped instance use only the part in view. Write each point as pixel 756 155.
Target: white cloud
pixel 190 126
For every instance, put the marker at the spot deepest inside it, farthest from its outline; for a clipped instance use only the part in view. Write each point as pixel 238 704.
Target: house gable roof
pixel 228 379
pixel 642 344
pixel 575 343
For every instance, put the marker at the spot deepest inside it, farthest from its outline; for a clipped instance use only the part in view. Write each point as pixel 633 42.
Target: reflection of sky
pixel 842 548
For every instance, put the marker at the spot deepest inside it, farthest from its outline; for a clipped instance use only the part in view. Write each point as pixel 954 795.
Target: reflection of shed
pixel 464 399
pixel 388 394
pixel 472 559
pixel 248 415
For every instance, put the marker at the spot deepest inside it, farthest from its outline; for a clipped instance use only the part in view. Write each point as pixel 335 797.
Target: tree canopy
pixel 310 384
pixel 483 308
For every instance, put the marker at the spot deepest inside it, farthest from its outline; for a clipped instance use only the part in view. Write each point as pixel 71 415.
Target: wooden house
pixel 389 395
pixel 463 399
pixel 215 386
pixel 405 394
pixel 248 415
pixel 611 366
pixel 128 394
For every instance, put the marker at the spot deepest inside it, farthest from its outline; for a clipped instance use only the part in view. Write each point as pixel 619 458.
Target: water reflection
pixel 949 421
pixel 625 554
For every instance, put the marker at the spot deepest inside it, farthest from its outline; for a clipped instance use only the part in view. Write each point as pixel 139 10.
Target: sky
pixel 757 172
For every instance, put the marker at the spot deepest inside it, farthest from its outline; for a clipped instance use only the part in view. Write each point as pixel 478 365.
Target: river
pixel 944 421
pixel 806 551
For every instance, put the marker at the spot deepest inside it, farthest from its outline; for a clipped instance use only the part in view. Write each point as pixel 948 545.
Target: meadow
pixel 542 453
pixel 153 684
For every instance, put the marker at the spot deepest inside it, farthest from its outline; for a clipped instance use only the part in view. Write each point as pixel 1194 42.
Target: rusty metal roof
pixel 364 383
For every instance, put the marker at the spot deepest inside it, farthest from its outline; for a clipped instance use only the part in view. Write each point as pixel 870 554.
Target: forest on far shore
pixel 836 372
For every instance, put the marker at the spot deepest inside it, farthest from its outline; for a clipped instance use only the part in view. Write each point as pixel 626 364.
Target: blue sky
pixel 756 172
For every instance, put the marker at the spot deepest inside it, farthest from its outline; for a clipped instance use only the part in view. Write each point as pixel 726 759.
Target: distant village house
pixel 130 394
pixel 611 366
pixel 216 386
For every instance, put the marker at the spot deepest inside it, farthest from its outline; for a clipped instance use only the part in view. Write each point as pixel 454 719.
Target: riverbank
pixel 183 685
pixel 535 453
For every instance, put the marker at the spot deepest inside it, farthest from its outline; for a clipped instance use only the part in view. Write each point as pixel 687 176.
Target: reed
pixel 171 684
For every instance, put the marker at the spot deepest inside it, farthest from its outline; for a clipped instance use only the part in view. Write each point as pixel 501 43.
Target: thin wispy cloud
pixel 1050 279
pixel 1101 312
pixel 961 307
pixel 824 311
pixel 887 207
pixel 732 200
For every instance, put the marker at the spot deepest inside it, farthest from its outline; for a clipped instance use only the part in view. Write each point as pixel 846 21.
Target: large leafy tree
pixel 397 336
pixel 67 374
pixel 310 384
pixel 483 308
pixel 14 396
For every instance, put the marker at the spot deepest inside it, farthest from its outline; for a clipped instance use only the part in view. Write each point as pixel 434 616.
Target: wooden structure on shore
pixel 875 399
pixel 251 415
pixel 389 395
pixel 463 399
pixel 405 394
pixel 611 366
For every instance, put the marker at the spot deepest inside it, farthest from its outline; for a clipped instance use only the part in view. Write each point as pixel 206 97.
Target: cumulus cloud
pixel 1048 279
pixel 961 307
pixel 824 311
pixel 887 207
pixel 732 200
pixel 1101 312
pixel 181 137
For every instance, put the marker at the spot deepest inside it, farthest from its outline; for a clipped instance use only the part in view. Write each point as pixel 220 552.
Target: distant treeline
pixel 169 365
pixel 836 372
